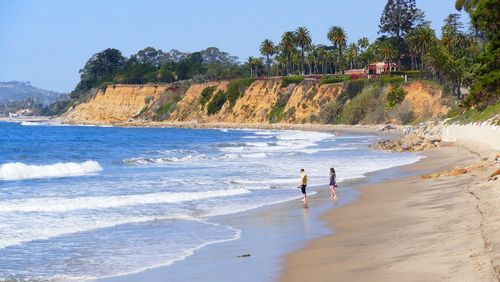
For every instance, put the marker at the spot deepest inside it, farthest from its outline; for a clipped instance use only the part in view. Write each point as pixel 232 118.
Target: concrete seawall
pixel 483 133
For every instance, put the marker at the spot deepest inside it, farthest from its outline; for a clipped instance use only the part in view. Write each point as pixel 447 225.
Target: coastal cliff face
pixel 116 103
pixel 263 101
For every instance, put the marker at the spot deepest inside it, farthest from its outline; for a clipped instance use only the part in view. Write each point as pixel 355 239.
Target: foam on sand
pixel 19 171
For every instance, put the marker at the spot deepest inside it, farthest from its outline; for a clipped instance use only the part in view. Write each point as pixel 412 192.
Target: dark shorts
pixel 332 183
pixel 303 188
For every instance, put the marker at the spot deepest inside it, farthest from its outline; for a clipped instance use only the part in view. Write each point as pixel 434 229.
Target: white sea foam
pixel 59 204
pixel 288 141
pixel 144 160
pixel 42 227
pixel 18 171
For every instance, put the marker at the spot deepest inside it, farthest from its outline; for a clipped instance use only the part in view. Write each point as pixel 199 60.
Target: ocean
pixel 84 202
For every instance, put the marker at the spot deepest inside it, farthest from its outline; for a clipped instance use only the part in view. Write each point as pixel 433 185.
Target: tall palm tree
pixel 420 40
pixel 287 45
pixel 338 37
pixel 267 49
pixel 303 38
pixel 363 43
pixel 387 51
pixel 251 64
pixel 321 57
pixel 352 53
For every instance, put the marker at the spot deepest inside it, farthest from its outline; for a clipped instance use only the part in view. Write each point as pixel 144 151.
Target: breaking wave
pixel 19 171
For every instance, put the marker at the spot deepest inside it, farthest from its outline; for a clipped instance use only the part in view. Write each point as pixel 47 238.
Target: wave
pixel 176 151
pixel 19 171
pixel 58 204
pixel 144 160
pixel 288 141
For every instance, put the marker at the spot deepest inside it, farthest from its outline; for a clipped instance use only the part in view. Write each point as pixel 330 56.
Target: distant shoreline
pixel 28 118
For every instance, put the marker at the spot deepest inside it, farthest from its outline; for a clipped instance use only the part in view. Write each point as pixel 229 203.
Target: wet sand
pixel 411 229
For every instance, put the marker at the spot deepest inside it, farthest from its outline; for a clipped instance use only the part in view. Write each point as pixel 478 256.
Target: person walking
pixel 333 184
pixel 303 185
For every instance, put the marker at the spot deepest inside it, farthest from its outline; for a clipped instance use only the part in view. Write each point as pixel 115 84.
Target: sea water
pixel 79 202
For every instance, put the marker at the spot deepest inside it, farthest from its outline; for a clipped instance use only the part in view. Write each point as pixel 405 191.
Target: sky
pixel 48 41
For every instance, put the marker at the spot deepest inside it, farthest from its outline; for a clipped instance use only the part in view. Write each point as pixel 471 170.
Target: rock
pixel 419 138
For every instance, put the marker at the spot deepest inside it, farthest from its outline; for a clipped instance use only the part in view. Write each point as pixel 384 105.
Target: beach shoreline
pixel 267 234
pixel 446 232
pixel 412 229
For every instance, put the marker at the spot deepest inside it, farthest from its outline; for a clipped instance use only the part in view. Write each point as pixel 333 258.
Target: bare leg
pixel 333 193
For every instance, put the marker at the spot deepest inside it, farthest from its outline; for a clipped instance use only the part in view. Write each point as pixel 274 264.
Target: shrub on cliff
pixel 206 94
pixel 333 79
pixel 164 110
pixel 395 97
pixel 217 102
pixel 236 88
pixel 357 109
pixel 277 112
pixel 329 112
pixel 295 79
pixel 403 113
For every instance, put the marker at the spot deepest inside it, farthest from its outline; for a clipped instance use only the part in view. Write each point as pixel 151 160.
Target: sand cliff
pixel 118 104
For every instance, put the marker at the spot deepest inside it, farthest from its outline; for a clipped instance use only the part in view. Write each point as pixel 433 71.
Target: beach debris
pixel 244 256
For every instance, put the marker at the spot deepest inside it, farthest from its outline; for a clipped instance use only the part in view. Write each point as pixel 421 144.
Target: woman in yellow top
pixel 303 184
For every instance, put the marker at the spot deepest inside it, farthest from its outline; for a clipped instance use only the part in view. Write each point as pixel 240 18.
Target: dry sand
pixel 412 229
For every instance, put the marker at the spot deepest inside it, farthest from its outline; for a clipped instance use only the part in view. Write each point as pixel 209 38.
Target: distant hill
pixel 13 91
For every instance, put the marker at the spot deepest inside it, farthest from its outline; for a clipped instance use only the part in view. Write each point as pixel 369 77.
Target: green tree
pixel 352 54
pixel 338 37
pixel 398 17
pixel 267 49
pixel 363 43
pixel 99 68
pixel 287 46
pixel 420 40
pixel 485 18
pixel 387 52
pixel 303 38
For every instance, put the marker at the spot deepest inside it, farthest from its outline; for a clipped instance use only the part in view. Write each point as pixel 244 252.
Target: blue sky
pixel 47 42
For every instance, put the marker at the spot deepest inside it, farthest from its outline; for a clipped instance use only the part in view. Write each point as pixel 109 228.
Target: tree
pixel 363 43
pixel 420 40
pixel 387 51
pixel 303 38
pixel 287 46
pixel 352 54
pixel 398 17
pixel 485 18
pixel 338 37
pixel 267 49
pixel 99 68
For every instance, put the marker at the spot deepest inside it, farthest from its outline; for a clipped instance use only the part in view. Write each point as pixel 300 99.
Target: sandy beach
pixel 412 229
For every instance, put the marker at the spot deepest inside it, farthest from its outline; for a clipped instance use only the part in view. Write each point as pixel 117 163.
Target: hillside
pixel 15 91
pixel 256 101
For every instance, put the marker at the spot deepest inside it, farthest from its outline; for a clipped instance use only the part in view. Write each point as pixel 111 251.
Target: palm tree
pixel 252 62
pixel 303 39
pixel 338 37
pixel 321 57
pixel 352 53
pixel 267 49
pixel 287 45
pixel 363 43
pixel 420 40
pixel 387 51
